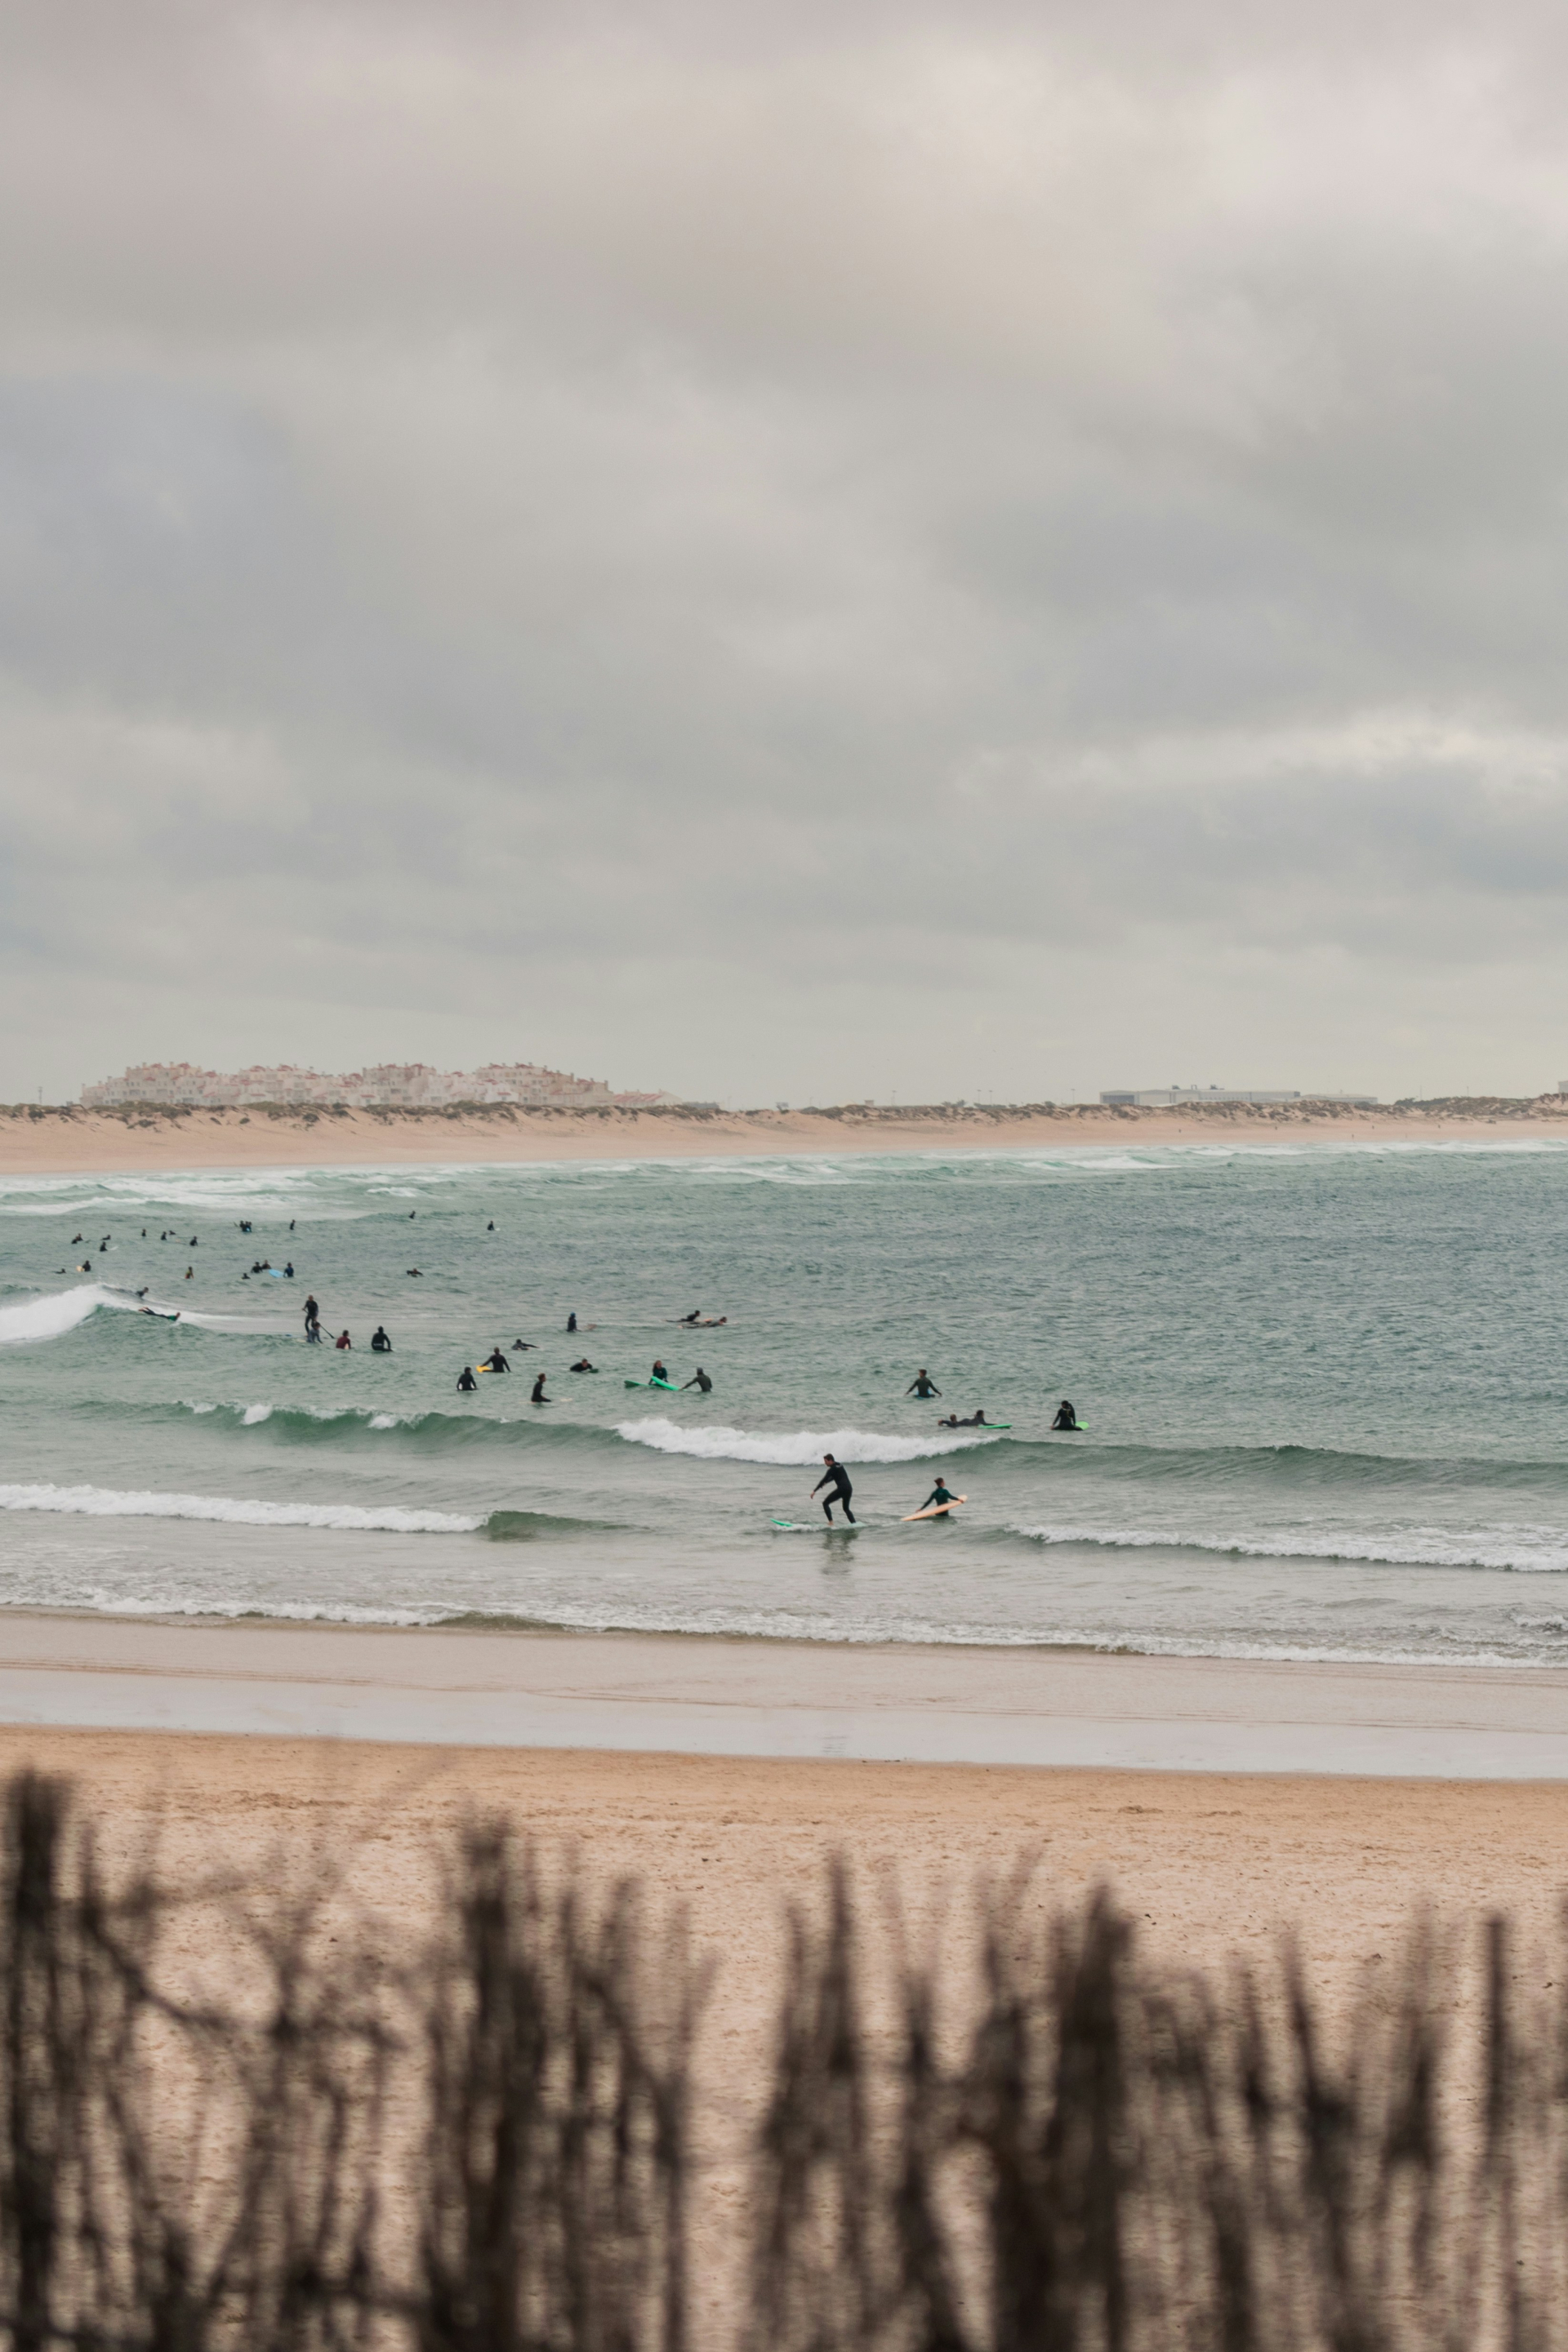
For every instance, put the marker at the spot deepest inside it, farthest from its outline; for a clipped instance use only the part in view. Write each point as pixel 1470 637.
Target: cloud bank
pixel 809 551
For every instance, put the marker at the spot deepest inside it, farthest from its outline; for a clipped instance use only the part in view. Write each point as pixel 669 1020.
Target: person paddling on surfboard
pixel 922 1385
pixel 837 1477
pixel 1066 1416
pixel 940 1495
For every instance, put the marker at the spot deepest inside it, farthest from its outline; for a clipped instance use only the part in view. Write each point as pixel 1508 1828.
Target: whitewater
pixel 1325 1392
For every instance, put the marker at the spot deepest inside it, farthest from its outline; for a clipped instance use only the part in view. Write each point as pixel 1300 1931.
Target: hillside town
pixel 387 1085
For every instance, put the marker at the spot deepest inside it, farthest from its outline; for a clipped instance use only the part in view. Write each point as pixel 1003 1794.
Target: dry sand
pixel 42 1142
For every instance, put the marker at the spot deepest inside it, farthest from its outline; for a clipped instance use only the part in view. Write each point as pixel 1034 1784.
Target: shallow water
pixel 1326 1391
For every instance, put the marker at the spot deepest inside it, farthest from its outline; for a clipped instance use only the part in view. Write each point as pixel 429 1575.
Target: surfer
pixel 695 1315
pixel 940 1495
pixel 971 1420
pixel 572 1321
pixel 313 1309
pixel 537 1395
pixel 699 1379
pixel 466 1380
pixel 1066 1416
pixel 837 1477
pixel 380 1344
pixel 583 1365
pixel 288 1271
pixel 496 1362
pixel 524 1347
pixel 659 1372
pixel 922 1385
pixel 343 1340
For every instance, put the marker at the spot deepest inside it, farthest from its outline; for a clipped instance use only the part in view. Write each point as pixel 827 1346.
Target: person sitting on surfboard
pixel 466 1379
pixel 837 1477
pixel 379 1340
pixel 343 1340
pixel 699 1379
pixel 539 1397
pixel 1066 1416
pixel 496 1362
pixel 922 1385
pixel 939 1496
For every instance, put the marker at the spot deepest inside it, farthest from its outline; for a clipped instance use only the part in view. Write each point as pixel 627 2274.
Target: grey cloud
pixel 754 548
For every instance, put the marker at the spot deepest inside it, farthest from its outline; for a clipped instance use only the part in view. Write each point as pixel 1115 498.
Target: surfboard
pixel 669 1385
pixel 981 1425
pixel 935 1510
pixel 1079 1429
pixel 815 1526
pixel 159 1314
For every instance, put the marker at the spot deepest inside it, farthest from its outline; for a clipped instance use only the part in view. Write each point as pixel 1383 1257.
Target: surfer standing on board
pixel 837 1477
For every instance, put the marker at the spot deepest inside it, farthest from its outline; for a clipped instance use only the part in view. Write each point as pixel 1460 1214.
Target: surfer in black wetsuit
pixel 659 1372
pixel 496 1362
pixel 312 1311
pixel 699 1379
pixel 922 1385
pixel 939 1493
pixel 837 1477
pixel 572 1321
pixel 1066 1416
pixel 466 1379
pixel 695 1315
pixel 380 1342
pixel 583 1365
pixel 538 1396
pixel 969 1420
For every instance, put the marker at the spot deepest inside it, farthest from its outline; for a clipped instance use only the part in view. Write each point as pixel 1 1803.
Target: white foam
pixel 254 1413
pixel 1523 1551
pixel 801 1446
pixel 109 1503
pixel 60 1311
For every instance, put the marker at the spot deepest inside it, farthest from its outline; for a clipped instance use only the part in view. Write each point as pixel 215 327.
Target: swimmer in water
pixel 496 1362
pixel 343 1340
pixel 538 1395
pixel 466 1380
pixel 380 1344
pixel 837 1477
pixel 922 1385
pixel 1066 1416
pixel 699 1381
pixel 572 1321
pixel 939 1494
pixel 583 1365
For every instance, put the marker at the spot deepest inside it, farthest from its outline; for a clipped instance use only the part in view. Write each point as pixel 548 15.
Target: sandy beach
pixel 42 1142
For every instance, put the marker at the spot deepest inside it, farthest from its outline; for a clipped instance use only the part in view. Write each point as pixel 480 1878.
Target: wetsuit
pixel 837 1477
pixel 700 1381
pixel 539 1396
pixel 571 1322
pixel 938 1494
pixel 381 1343
pixel 925 1387
pixel 466 1379
pixel 1066 1417
pixel 497 1362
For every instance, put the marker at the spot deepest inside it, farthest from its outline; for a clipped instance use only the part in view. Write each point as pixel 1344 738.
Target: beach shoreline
pixel 37 1140
pixel 671 1694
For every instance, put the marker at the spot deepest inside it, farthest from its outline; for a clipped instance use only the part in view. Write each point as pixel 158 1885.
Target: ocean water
pixel 1325 1390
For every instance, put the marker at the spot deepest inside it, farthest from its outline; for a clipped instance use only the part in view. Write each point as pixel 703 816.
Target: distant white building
pixel 388 1085
pixel 1176 1097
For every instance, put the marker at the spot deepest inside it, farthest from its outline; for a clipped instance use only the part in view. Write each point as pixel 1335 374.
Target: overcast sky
pixel 788 551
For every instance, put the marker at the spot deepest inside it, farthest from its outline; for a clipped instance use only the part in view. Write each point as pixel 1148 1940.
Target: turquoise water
pixel 1326 1391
